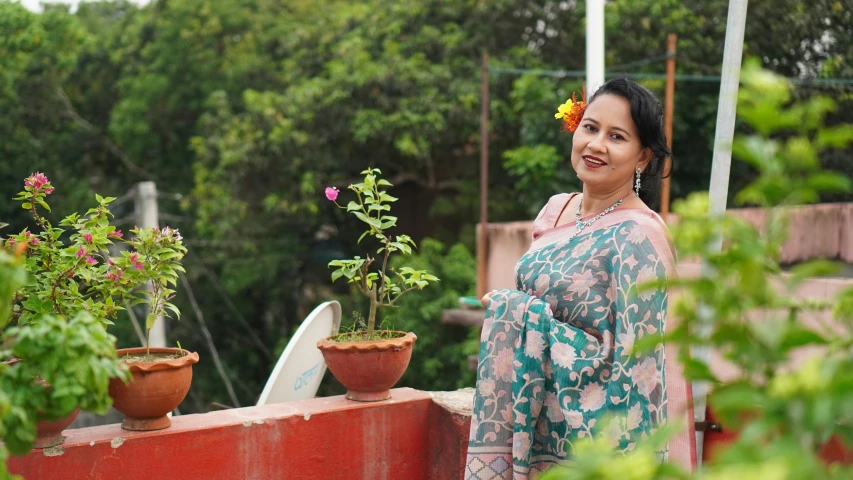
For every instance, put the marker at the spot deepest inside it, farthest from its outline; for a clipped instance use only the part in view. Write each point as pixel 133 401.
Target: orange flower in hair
pixel 571 112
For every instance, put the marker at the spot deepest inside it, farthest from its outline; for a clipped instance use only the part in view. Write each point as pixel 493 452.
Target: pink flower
pixel 80 252
pixel 645 275
pixel 139 266
pixel 70 275
pixel 575 419
pixel 552 408
pixel 592 397
pixel 502 365
pixel 110 262
pixel 535 344
pixel 521 445
pixel 645 376
pixel 36 180
pixel 613 432
pixel 134 257
pixel 11 242
pixel 543 281
pixel 581 248
pixel 332 193
pixel 486 387
pixel 636 235
pixel 564 355
pixel 114 275
pixel 116 234
pixel 582 282
pixel 91 261
pixel 635 416
pixel 32 240
pixel 87 237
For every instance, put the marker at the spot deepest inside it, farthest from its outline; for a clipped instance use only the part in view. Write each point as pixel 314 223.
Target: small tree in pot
pixel 369 362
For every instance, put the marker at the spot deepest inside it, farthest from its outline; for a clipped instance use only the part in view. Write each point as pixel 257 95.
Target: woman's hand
pixel 487 297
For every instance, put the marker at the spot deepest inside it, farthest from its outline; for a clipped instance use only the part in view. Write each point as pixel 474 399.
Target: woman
pixel 556 356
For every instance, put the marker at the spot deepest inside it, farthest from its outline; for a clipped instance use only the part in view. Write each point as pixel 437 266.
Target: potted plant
pixel 369 362
pixel 161 376
pixel 85 276
pixel 54 360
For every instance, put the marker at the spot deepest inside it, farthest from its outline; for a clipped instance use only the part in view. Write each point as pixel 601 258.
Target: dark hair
pixel 647 113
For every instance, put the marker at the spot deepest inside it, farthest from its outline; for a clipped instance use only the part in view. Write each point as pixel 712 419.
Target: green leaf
pixel 337 274
pixel 150 320
pixel 798 336
pixel 27 205
pixel 43 204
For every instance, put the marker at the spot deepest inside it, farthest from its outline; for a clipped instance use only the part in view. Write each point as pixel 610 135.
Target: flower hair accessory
pixel 571 112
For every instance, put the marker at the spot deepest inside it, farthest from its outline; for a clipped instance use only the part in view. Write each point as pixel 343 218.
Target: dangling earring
pixel 637 184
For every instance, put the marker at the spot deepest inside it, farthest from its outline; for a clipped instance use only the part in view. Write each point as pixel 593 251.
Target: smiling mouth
pixel 594 160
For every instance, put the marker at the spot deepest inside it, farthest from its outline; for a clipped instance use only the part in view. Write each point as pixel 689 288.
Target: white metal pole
pixel 722 160
pixel 147 215
pixel 594 45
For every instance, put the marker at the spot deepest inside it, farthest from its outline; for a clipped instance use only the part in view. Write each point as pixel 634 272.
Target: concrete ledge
pixel 415 435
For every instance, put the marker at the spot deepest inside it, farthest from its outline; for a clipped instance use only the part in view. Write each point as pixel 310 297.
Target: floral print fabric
pixel 556 357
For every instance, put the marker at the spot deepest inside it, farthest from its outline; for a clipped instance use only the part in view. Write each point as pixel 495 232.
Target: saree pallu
pixel 557 362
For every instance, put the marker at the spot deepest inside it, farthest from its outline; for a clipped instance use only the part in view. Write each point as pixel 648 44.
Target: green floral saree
pixel 556 362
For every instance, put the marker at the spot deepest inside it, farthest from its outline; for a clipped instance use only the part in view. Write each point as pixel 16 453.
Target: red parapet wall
pixel 415 435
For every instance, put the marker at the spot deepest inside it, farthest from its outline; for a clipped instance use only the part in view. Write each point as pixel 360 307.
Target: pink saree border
pixel 651 223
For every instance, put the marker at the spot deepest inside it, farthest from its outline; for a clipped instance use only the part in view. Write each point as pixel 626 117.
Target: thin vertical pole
pixel 482 241
pixel 147 216
pixel 594 45
pixel 668 111
pixel 719 189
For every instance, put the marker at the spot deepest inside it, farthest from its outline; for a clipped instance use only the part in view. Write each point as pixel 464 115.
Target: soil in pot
pixel 161 380
pixel 368 368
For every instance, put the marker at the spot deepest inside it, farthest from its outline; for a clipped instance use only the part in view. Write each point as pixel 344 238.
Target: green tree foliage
pixel 440 359
pixel 250 109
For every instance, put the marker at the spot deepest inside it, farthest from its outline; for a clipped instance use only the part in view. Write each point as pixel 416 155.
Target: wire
pixel 644 61
pixel 659 76
pixel 217 285
pixel 211 346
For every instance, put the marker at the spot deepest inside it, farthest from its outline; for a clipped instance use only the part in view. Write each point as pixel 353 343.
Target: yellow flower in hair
pixel 571 112
pixel 564 109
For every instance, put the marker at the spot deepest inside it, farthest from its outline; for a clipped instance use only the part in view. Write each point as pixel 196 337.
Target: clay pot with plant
pixel 368 362
pixel 87 266
pixel 161 377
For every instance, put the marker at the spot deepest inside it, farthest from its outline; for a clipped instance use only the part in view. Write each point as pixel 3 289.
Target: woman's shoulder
pixel 651 227
pixel 648 220
pixel 549 213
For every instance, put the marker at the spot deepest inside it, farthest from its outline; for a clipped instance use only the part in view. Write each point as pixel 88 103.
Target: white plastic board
pixel 301 367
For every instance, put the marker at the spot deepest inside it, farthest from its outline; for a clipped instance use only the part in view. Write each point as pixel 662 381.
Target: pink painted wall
pixel 815 231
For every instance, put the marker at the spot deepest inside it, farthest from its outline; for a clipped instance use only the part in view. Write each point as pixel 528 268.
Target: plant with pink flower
pixel 72 269
pixel 382 289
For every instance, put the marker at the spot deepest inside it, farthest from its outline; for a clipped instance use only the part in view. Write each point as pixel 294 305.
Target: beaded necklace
pixel 581 224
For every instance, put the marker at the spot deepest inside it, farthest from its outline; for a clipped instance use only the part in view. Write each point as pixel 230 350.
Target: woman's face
pixel 606 148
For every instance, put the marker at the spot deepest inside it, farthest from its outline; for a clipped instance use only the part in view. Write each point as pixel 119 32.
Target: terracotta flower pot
pixel 49 434
pixel 156 389
pixel 369 368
